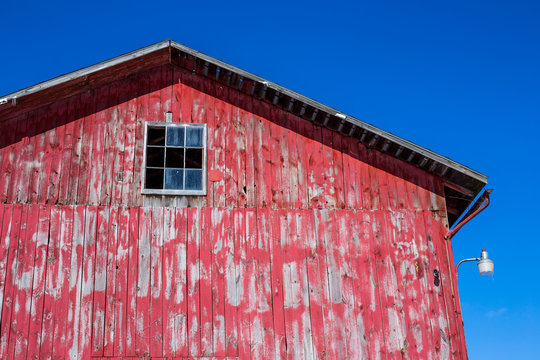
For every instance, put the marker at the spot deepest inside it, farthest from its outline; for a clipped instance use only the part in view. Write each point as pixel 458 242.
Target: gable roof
pixel 462 184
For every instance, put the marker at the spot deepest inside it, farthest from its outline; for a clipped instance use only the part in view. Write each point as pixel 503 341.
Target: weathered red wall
pixel 72 151
pixel 309 245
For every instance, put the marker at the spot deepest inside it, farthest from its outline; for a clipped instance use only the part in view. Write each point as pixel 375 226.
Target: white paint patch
pixel 230 283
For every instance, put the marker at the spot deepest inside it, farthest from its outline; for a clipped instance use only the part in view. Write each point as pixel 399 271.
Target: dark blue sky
pixel 459 77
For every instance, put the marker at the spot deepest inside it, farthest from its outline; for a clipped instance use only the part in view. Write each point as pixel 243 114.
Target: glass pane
pixel 154 179
pixel 175 136
pixel 155 156
pixel 156 136
pixel 193 179
pixel 174 179
pixel 194 158
pixel 194 136
pixel 175 158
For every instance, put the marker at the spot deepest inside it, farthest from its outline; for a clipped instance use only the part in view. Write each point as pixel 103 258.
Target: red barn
pixel 165 204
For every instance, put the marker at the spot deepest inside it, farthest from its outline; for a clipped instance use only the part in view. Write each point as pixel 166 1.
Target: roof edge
pixel 84 71
pixel 357 122
pixel 469 182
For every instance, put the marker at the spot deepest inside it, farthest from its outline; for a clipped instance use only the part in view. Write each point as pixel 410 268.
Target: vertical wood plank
pixel 303 219
pixel 216 261
pixel 275 168
pixel 316 177
pixel 230 119
pixel 98 146
pixel 352 182
pixel 168 274
pixel 50 143
pixel 88 275
pixel 253 289
pixel 329 182
pixel 193 280
pixel 263 185
pixel 110 289
pixel 51 284
pixel 337 167
pixel 173 280
pixel 87 158
pixel 57 143
pixel 230 285
pixel 216 145
pixel 156 283
pixel 317 285
pixel 70 192
pixel 62 291
pixel 166 88
pixel 113 193
pixel 129 142
pixel 38 282
pixel 39 150
pixel 209 103
pixel 264 310
pixel 295 177
pixel 303 160
pixel 75 284
pixel 132 283
pixel 100 282
pixel 181 298
pixel 365 176
pixel 120 303
pixel 28 155
pixel 67 150
pixel 239 134
pixel 242 281
pixel 141 118
pixel 278 229
pixel 199 114
pixel 9 272
pixel 142 321
pixel 248 120
pixel 221 119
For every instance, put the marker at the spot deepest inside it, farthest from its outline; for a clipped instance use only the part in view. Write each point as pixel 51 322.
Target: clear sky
pixel 459 77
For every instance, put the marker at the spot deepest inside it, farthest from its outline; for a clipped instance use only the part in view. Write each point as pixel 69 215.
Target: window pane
pixel 175 136
pixel 194 179
pixel 174 179
pixel 194 158
pixel 194 136
pixel 155 156
pixel 156 136
pixel 175 157
pixel 154 179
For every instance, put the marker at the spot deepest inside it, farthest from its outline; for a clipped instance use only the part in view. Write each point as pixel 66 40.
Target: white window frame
pixel 172 191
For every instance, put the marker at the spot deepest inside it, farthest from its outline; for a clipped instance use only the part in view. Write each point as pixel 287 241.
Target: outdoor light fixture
pixel 485 265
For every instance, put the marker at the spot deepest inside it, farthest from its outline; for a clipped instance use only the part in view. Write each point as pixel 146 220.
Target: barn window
pixel 175 159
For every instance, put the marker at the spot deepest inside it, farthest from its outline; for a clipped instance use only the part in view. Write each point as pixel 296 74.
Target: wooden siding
pixel 81 281
pixel 88 150
pixel 308 244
